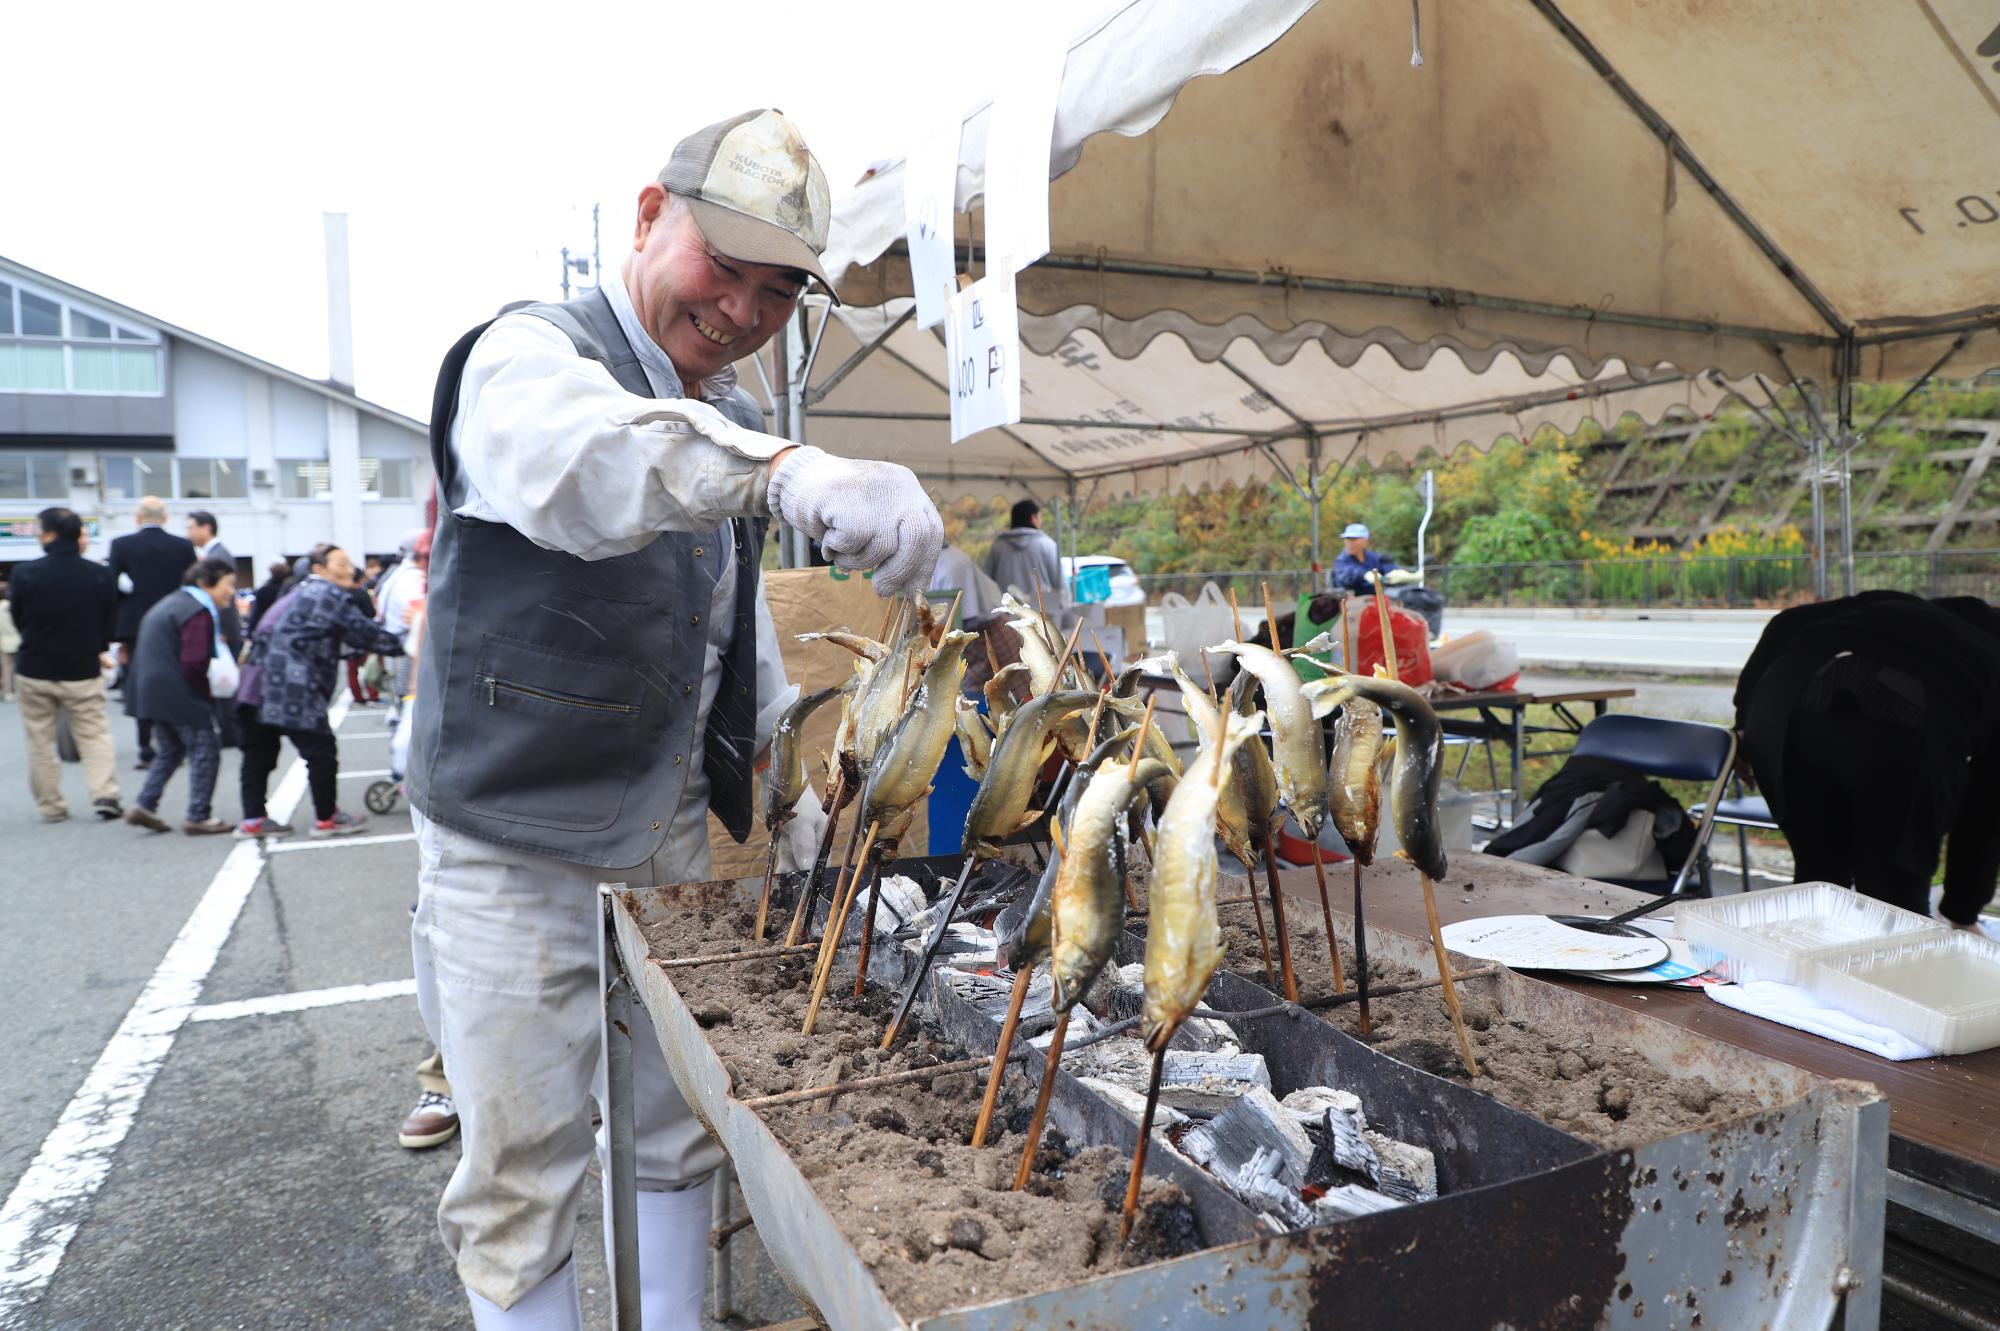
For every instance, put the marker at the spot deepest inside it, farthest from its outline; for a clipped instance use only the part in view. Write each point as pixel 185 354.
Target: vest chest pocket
pixel 556 736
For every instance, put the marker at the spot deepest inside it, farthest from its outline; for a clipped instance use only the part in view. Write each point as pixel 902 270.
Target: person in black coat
pixel 147 565
pixel 268 592
pixel 64 606
pixel 167 685
pixel 1872 723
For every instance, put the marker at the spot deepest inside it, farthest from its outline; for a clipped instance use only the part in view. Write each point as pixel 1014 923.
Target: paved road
pixel 1669 642
pixel 1701 643
pixel 233 1172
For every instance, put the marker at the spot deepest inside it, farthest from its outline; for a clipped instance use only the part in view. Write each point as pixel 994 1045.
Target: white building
pixel 100 404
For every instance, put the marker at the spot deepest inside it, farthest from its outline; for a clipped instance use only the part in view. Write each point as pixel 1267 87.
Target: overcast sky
pixel 177 158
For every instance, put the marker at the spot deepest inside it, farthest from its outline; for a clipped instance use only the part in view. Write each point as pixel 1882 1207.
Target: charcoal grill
pixel 1773 1218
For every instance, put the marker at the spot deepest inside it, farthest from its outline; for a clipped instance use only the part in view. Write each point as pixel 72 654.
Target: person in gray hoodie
pixel 1025 556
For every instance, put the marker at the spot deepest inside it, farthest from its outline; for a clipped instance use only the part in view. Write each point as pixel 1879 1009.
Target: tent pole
pixel 1843 406
pixel 794 551
pixel 1313 499
pixel 778 384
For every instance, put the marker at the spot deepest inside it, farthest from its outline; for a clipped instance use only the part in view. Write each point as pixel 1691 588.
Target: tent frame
pixel 1838 437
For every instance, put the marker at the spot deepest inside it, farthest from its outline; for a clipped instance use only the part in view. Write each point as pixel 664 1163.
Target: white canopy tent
pixel 1099 426
pixel 1785 195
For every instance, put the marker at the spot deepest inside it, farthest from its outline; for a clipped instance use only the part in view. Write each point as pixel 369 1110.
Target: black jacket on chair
pixel 155 560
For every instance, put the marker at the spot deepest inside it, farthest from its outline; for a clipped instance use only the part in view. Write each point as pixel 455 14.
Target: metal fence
pixel 1741 581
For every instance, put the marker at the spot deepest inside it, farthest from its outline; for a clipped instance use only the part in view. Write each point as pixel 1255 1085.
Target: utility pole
pixel 565 275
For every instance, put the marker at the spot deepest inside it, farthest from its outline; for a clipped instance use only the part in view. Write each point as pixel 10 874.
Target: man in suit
pixel 147 565
pixel 202 531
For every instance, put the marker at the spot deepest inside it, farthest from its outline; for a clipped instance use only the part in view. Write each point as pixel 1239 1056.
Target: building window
pixel 34 476
pixel 303 478
pixel 389 478
pixel 98 355
pixel 133 476
pixel 210 478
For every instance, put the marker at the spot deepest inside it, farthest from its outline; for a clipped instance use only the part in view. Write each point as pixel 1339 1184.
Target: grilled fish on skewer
pixel 975 737
pixel 1183 934
pixel 1089 898
pixel 909 756
pixel 1232 819
pixel 1419 766
pixel 1000 808
pixel 1300 769
pixel 785 782
pixel 1355 788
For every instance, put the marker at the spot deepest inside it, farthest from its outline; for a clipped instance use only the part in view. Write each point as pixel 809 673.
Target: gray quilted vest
pixel 557 694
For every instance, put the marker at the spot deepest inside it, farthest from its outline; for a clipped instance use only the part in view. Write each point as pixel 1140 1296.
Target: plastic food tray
pixel 1776 933
pixel 1940 989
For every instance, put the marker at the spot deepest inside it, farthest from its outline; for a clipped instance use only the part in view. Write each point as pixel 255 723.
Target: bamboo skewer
pixel 1326 910
pixel 1360 951
pixel 1350 637
pixel 874 872
pixel 770 876
pixel 1138 1174
pixel 809 890
pixel 938 931
pixel 836 925
pixel 1444 970
pixel 1388 635
pixel 1015 999
pixel 1041 1115
pixel 1278 926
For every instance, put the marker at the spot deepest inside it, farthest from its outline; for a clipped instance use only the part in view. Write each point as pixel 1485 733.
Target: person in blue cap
pixel 1356 561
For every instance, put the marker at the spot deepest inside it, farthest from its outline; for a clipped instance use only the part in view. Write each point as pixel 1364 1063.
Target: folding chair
pixel 1741 811
pixel 1677 751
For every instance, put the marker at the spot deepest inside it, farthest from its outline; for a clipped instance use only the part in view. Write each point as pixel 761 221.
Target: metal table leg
pixel 1519 717
pixel 622 1175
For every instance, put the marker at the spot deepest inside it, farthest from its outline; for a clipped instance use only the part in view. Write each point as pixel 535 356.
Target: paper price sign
pixel 930 183
pixel 983 343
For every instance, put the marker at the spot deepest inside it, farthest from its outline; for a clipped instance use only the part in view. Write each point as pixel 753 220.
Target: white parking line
pixel 303 1001
pixel 48 1203
pixel 366 734
pixel 339 843
pixel 366 772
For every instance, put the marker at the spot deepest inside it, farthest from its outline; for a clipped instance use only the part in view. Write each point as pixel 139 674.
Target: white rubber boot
pixel 673 1256
pixel 552 1305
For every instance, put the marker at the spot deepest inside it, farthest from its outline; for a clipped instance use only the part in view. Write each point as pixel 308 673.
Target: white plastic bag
pixel 222 675
pixel 1477 660
pixel 1191 627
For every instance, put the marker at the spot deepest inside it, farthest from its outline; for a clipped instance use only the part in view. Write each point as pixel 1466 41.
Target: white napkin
pixel 1792 1006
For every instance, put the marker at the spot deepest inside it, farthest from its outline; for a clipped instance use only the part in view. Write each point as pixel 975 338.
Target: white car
pixel 1125 588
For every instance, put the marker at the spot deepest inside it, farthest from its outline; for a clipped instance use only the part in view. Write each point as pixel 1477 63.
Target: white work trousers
pixel 505 946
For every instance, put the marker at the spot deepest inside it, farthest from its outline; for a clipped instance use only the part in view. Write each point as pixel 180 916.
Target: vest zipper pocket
pixel 496 685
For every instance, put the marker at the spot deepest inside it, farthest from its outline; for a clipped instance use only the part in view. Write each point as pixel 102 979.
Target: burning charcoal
pixel 1350 1200
pixel 1407 1172
pixel 1254 1123
pixel 1194 1083
pixel 1132 1104
pixel 1206 1035
pixel 901 901
pixel 1350 1142
pixel 989 993
pixel 1309 1105
pixel 1260 1181
pixel 964 943
pixel 1081 1023
pixel 1128 990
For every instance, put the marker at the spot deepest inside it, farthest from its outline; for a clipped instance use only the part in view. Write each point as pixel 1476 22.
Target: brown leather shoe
pixel 211 827
pixel 147 819
pixel 433 1122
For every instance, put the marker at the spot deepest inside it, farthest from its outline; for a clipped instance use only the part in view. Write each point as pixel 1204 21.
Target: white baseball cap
pixel 1354 530
pixel 755 191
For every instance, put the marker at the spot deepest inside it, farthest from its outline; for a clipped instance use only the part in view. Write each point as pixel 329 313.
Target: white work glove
pixel 1398 577
pixel 863 514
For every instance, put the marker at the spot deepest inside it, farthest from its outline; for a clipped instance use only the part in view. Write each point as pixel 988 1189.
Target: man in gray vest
pixel 597 662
